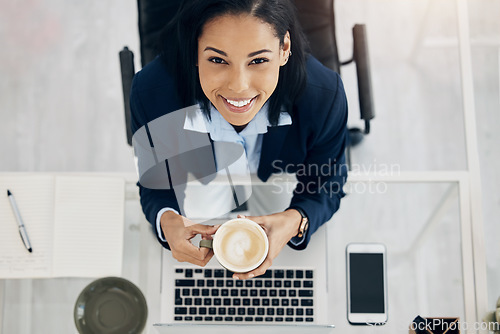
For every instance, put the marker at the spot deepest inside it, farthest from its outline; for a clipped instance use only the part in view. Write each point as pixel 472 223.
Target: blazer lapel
pixel 272 144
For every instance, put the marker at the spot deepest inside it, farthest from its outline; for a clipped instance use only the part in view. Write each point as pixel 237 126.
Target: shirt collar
pixel 195 120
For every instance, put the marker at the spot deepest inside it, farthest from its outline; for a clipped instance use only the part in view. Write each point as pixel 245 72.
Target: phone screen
pixel 366 282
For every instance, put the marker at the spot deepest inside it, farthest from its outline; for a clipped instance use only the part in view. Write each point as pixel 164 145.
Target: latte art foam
pixel 241 245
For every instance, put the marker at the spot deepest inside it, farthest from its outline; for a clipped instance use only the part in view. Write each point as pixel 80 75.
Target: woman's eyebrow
pixel 252 54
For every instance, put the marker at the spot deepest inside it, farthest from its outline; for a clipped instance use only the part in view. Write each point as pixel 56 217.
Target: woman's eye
pixel 259 61
pixel 217 60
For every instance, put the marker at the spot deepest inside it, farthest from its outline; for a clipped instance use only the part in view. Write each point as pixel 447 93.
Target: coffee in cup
pixel 240 245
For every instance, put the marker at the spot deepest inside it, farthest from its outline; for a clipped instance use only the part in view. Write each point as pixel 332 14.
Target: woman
pixel 243 62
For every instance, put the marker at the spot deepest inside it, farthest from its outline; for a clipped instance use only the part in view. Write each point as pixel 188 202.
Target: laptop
pixel 292 297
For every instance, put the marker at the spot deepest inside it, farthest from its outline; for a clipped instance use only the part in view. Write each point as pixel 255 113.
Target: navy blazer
pixel 312 146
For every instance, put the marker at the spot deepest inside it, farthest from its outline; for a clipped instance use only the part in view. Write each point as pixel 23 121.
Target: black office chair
pixel 317 18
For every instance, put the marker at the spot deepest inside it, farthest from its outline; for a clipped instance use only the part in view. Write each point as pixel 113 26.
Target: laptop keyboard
pixel 212 295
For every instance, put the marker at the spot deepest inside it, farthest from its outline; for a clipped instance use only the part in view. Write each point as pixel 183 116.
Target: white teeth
pixel 239 103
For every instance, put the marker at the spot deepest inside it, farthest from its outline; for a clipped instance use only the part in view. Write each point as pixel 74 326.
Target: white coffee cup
pixel 240 245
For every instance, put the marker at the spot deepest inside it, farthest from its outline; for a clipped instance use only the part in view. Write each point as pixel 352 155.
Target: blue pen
pixel 22 229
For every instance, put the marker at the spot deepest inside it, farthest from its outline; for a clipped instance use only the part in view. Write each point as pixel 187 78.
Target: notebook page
pixel 34 195
pixel 89 220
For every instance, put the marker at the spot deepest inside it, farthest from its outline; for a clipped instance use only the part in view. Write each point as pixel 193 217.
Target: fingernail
pixel 251 275
pixel 235 277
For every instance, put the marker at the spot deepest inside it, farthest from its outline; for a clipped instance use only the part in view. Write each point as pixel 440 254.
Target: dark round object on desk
pixel 110 305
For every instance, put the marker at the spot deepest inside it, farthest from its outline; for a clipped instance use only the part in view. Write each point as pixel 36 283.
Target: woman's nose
pixel 238 80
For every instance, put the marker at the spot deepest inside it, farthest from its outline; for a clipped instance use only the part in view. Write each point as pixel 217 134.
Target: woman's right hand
pixel 179 231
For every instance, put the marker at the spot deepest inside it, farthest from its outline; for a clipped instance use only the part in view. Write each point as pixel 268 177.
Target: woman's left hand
pixel 280 228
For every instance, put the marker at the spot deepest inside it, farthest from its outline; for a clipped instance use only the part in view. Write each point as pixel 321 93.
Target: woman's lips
pixel 241 109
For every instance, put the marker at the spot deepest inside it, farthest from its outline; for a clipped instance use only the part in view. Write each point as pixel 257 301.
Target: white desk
pixel 423 218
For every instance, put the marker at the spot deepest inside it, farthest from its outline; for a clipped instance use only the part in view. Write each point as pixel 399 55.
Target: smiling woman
pixel 243 65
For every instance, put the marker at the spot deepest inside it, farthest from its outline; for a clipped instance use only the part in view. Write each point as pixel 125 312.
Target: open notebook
pixel 75 225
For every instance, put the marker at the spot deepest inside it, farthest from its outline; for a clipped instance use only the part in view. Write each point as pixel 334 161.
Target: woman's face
pixel 239 58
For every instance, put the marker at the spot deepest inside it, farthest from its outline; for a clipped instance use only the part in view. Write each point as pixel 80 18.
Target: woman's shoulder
pixel 321 78
pixel 153 76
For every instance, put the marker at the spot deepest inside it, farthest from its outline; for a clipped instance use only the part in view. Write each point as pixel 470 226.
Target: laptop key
pixel 261 311
pixel 295 302
pixel 246 301
pixel 239 283
pixel 198 271
pixel 218 273
pixel 244 292
pixel 229 283
pixel 248 283
pixel 228 319
pixel 306 302
pixel 184 282
pixel 278 273
pixel 258 284
pixel 241 311
pixel 248 318
pixel 220 283
pixel 208 273
pixel 275 302
pixel 309 311
pixel 280 311
pixel 299 319
pixel 198 301
pixel 309 319
pixel 178 301
pixel 188 318
pixel 277 284
pixel 210 283
pixel 256 302
pixel 269 319
pixel 177 293
pixel 188 301
pixel 265 302
pixel 299 311
pixel 270 311
pixel 259 319
pixel 231 311
pixel 238 319
pixel 224 292
pixel 289 311
pixel 299 273
pixel 236 302
pixel 267 274
pixel 218 318
pixel 288 319
pixel 200 283
pixel 192 310
pixel 212 310
pixel 195 292
pixel 198 318
pixel 208 318
pixel 296 284
pixel 273 293
pixel 222 311
pixel 282 293
pixel 180 310
pixel 227 301
pixel 309 274
pixel 229 274
pixel 202 310
pixel 254 293
pixel 207 302
pixel 234 292
pixel 292 293
pixel 268 284
pixel 285 302
pixel 289 274
pixel 189 273
pixel 278 319
pixel 185 292
pixel 287 284
pixel 305 293
pixel 179 270
pixel 205 292
pixel 251 311
pixel 308 284
pixel 217 301
pixel 215 292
